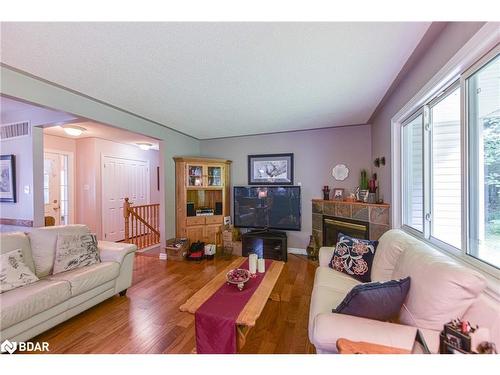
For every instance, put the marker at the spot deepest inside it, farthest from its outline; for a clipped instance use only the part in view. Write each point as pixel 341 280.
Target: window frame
pixel 438 99
pixel 465 126
pixel 480 49
pixel 407 121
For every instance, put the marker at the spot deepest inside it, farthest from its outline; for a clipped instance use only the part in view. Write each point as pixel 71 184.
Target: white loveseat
pixel 30 310
pixel 441 290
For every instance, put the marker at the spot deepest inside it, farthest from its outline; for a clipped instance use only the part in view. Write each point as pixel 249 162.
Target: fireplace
pixel 358 219
pixel 333 225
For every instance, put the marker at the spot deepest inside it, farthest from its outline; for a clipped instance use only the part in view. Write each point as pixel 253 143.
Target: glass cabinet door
pixel 195 175
pixel 214 176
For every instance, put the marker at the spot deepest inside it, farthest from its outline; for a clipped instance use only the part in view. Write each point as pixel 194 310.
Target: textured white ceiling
pixel 221 79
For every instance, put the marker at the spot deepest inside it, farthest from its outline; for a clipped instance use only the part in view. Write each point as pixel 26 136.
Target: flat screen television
pixel 267 207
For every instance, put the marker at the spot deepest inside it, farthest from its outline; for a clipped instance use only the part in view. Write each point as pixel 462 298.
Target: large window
pixel 483 103
pixel 451 145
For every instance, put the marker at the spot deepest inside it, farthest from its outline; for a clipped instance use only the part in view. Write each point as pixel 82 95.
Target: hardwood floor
pixel 148 320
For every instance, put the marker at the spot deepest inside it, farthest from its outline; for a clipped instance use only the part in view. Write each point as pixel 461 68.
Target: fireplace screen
pixel 332 226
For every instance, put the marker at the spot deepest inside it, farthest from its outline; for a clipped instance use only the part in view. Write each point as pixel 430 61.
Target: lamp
pixel 73 130
pixel 144 145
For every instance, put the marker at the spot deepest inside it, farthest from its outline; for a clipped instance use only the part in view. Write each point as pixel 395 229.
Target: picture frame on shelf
pixel 8 179
pixel 338 194
pixel 270 169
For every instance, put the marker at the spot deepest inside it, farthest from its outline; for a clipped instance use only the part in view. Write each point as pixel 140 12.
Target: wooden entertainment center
pixel 202 198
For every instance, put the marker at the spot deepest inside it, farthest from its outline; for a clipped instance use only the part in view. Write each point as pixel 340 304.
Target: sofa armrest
pixel 325 255
pixel 114 252
pixel 329 327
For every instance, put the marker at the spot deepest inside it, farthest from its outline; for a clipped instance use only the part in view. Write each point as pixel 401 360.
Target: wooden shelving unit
pixel 205 183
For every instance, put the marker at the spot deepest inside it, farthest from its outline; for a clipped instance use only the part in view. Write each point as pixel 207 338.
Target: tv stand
pixel 268 244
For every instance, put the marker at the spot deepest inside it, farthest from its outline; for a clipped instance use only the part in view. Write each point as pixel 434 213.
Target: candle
pixel 261 263
pixel 252 263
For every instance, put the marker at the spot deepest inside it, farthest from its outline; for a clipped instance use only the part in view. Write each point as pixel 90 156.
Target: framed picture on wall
pixel 270 169
pixel 8 178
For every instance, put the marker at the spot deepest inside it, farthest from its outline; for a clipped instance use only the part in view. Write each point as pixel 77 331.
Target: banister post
pixel 126 214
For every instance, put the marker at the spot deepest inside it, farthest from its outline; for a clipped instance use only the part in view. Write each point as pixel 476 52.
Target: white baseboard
pixel 296 250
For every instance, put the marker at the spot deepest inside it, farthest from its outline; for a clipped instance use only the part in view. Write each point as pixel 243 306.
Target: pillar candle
pixel 261 263
pixel 252 263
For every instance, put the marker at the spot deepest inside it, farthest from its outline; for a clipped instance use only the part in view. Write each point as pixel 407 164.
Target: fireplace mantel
pixel 377 215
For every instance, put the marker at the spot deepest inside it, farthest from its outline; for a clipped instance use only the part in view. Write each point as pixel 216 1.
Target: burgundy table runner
pixel 215 319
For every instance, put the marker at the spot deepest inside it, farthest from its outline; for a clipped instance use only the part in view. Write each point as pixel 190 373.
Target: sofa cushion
pixel 23 303
pixel 391 245
pixel 86 278
pixel 43 245
pixel 378 300
pixel 354 256
pixel 14 273
pixel 323 300
pixel 75 251
pixel 441 289
pixel 334 280
pixel 17 240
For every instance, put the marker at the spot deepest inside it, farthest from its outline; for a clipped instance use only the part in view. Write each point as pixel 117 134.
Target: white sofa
pixel 441 290
pixel 30 310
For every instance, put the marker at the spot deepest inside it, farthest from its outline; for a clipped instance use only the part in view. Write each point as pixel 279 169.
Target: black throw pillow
pixel 377 300
pixel 354 256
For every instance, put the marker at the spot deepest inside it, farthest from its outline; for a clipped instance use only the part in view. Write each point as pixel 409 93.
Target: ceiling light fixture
pixel 144 146
pixel 73 130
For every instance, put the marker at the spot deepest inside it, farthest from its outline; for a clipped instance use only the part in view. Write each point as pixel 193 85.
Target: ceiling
pixel 96 130
pixel 221 79
pixel 9 108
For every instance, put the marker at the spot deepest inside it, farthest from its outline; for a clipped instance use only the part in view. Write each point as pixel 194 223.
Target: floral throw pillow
pixel 75 251
pixel 14 273
pixel 354 257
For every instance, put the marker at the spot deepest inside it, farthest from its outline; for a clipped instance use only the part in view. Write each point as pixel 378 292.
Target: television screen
pixel 273 207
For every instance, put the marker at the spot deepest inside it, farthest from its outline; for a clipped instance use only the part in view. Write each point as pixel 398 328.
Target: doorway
pixel 58 187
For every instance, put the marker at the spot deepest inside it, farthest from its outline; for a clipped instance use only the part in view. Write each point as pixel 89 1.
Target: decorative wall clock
pixel 340 172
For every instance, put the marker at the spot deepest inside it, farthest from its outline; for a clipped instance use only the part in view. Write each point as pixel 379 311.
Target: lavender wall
pixel 433 57
pixel 316 152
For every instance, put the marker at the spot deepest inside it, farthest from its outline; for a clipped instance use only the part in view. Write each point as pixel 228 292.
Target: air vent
pixel 15 130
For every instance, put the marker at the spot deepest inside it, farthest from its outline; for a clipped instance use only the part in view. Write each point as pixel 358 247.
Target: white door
pixel 52 186
pixel 121 178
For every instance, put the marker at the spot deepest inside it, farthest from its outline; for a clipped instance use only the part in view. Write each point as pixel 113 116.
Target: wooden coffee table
pixel 345 346
pixel 252 310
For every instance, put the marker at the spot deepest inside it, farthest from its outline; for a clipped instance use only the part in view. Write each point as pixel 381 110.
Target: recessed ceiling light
pixel 144 145
pixel 73 130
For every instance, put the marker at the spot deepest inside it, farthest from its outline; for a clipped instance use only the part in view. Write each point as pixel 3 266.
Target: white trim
pixel 297 251
pixel 71 179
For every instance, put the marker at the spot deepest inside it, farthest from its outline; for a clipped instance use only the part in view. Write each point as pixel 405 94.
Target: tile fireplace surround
pixel 376 215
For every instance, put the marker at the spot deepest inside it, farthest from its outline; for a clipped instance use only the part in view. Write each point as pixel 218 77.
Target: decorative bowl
pixel 238 277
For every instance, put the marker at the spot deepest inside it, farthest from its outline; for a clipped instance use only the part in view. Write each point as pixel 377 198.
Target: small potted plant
pixel 363 185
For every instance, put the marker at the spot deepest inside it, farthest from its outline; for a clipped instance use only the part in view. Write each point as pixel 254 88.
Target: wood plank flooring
pixel 148 320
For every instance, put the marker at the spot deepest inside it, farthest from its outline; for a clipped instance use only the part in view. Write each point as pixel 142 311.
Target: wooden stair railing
pixel 142 224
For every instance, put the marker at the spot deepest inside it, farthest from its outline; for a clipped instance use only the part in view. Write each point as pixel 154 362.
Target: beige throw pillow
pixel 14 273
pixel 75 251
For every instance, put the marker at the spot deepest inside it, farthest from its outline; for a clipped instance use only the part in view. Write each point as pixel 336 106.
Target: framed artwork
pixel 270 169
pixel 338 194
pixel 8 178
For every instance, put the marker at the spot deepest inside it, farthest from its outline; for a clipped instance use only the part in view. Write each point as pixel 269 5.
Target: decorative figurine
pixel 326 193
